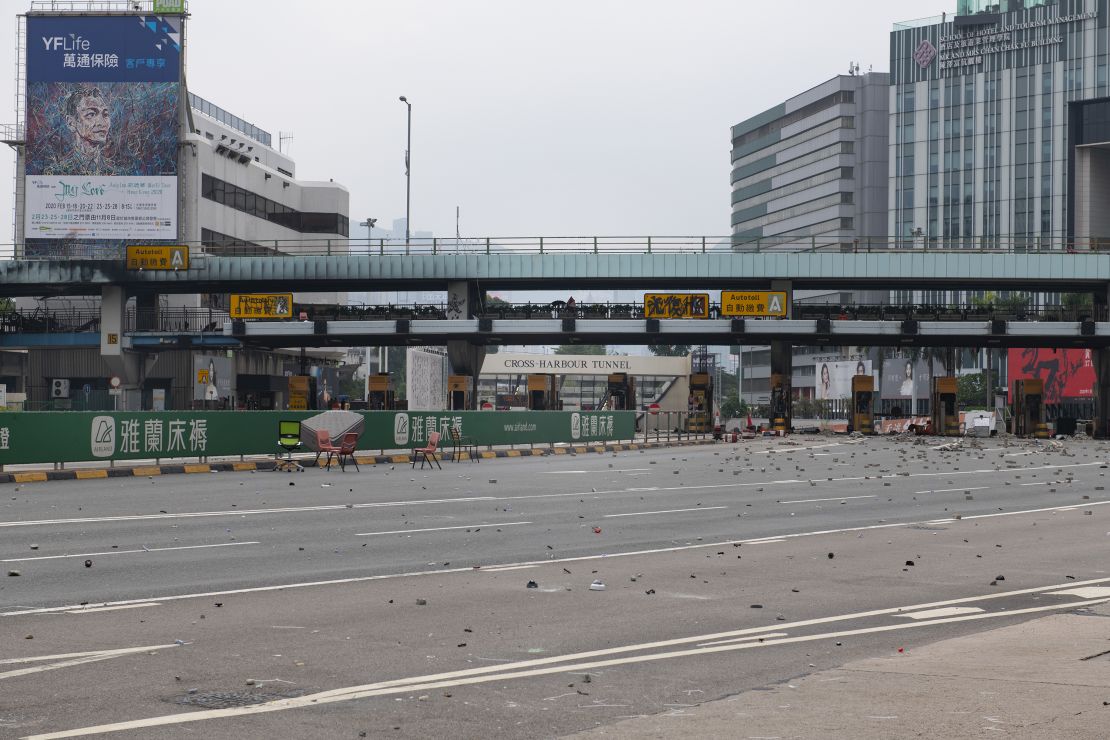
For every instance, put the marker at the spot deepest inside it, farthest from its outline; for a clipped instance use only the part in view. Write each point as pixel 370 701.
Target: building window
pixel 262 207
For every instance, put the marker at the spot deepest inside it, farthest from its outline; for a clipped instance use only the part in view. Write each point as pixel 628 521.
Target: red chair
pixel 324 444
pixel 346 452
pixel 424 452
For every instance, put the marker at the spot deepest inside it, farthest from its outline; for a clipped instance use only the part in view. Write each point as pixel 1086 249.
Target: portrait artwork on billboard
pixel 834 379
pixel 1067 373
pixel 103 100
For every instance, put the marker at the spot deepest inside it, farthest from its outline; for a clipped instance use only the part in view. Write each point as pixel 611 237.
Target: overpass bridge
pixel 467 270
pixel 570 264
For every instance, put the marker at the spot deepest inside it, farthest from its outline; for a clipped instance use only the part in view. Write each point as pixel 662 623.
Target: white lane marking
pixel 244 512
pixel 511 567
pixel 469 499
pixel 811 500
pixel 767 636
pixel 127 552
pixel 512 671
pixel 948 611
pixel 607 470
pixel 575 559
pixel 952 490
pixel 1090 592
pixel 1017 454
pixel 666 511
pixel 70 659
pixel 1042 483
pixel 442 529
pixel 83 610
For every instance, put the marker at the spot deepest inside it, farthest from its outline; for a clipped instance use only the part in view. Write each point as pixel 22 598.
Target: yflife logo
pixel 401 429
pixel 103 436
pixel 62 43
pixel 575 426
pixel 925 53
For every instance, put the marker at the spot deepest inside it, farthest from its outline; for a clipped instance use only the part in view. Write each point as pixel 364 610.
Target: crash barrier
pixel 59 436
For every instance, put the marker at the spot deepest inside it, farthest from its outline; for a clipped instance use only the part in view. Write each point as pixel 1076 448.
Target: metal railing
pixel 556 245
pixel 202 320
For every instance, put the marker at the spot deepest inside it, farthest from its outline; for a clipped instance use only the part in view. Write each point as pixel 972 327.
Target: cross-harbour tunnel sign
pixel 735 303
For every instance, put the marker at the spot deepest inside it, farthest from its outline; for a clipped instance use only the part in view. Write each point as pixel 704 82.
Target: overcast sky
pixel 576 117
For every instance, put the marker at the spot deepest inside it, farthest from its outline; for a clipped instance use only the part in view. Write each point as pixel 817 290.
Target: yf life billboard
pixel 103 97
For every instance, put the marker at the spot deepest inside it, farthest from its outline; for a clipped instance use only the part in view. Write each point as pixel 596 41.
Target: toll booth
pixel 863 411
pixel 543 393
pixel 621 392
pixel 1027 405
pixel 458 392
pixel 945 410
pixel 701 403
pixel 379 392
pixel 780 403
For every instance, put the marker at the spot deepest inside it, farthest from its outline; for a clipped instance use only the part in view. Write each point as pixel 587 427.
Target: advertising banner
pixel 103 95
pixel 834 379
pixel 1067 373
pixel 425 380
pixel 73 436
pixel 904 379
pixel 676 306
pixel 212 377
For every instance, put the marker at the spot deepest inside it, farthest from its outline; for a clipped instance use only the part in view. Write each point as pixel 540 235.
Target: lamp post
pixel 408 174
pixel 369 224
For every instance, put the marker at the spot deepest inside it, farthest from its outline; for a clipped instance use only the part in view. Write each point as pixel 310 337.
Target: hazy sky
pixel 576 117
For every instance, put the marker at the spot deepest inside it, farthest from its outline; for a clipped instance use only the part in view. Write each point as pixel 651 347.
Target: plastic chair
pixel 289 439
pixel 345 453
pixel 424 452
pixel 324 445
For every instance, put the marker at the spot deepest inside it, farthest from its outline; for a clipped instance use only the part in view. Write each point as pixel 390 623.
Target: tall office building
pixel 997 122
pixel 814 168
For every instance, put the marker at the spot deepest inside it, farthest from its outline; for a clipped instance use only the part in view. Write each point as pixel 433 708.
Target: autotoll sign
pixel 261 305
pixel 754 303
pixel 157 257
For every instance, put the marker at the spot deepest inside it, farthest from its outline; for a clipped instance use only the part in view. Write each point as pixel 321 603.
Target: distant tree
pixel 1014 302
pixel 733 408
pixel 669 350
pixel 580 349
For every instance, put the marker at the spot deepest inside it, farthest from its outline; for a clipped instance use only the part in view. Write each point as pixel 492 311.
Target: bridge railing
pixel 57 249
pixel 201 320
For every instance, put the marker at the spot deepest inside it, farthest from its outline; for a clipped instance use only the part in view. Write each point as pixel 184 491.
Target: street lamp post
pixel 369 224
pixel 408 174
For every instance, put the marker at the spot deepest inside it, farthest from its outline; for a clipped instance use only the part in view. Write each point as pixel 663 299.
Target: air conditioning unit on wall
pixel 59 388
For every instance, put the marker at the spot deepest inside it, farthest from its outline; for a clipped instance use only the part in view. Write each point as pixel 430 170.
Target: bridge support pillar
pixel 950 361
pixel 1100 358
pixel 782 369
pixel 124 364
pixel 466 359
pixel 146 312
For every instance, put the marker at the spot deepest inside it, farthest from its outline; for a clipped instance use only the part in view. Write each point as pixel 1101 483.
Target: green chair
pixel 289 439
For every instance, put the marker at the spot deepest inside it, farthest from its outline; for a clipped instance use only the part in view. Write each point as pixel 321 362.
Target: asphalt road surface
pixel 396 603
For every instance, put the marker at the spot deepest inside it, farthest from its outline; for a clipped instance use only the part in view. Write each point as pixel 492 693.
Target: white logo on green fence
pixel 575 426
pixel 401 429
pixel 103 436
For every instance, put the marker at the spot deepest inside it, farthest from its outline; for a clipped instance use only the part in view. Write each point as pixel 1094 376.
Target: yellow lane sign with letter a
pixel 157 257
pixel 261 305
pixel 754 303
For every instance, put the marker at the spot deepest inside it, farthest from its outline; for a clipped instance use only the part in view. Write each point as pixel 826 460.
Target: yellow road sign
pixel 261 305
pixel 160 257
pixel 754 303
pixel 676 306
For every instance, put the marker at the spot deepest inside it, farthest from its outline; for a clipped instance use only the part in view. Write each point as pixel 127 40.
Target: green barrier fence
pixel 47 437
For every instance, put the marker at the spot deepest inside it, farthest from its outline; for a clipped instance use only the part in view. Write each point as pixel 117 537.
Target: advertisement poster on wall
pixel 834 379
pixel 904 379
pixel 103 95
pixel 1067 373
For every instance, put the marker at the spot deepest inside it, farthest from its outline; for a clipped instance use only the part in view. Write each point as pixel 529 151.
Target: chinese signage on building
pixel 261 305
pixel 753 303
pixel 103 95
pixel 676 306
pixel 157 258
